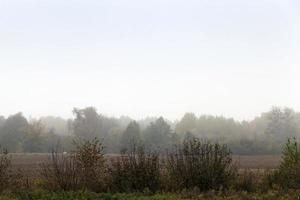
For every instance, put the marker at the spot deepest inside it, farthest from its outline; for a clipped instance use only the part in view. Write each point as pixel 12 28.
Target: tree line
pixel 264 135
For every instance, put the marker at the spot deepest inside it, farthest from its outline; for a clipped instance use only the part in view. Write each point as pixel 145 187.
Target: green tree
pixel 288 174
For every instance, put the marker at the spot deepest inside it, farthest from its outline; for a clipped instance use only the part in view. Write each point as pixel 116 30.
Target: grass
pixel 84 195
pixel 204 166
pixel 211 195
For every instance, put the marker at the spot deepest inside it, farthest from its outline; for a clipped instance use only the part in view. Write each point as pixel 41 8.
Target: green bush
pixel 200 164
pixel 288 174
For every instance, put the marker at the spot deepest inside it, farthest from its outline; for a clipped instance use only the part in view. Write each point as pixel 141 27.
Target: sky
pixel 235 58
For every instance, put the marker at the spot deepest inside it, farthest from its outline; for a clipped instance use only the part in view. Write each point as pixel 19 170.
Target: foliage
pixel 10 179
pixel 246 181
pixel 87 123
pixel 12 132
pixel 263 135
pixel 86 195
pixel 81 169
pixel 131 136
pixel 201 164
pixel 33 141
pixel 5 164
pixel 288 174
pixel 210 195
pixel 90 163
pixel 60 172
pixel 136 170
pixel 157 135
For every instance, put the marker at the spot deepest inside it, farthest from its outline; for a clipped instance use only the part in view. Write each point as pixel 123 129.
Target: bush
pixel 288 174
pixel 200 164
pixel 136 171
pixel 269 180
pixel 10 179
pixel 91 164
pixel 61 172
pixel 81 169
pixel 5 165
pixel 247 181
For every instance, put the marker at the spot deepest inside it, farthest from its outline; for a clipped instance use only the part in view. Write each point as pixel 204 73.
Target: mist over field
pixel 212 70
pixel 159 99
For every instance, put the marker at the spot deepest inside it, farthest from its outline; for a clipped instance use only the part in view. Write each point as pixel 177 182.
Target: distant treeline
pixel 263 135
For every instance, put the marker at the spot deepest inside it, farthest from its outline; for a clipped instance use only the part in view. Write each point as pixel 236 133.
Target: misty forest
pixel 265 134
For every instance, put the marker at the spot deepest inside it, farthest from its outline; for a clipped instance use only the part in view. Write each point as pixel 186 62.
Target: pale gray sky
pixel 235 58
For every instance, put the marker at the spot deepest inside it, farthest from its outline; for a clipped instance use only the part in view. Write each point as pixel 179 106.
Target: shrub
pixel 269 180
pixel 12 179
pixel 61 172
pixel 247 181
pixel 81 169
pixel 136 171
pixel 91 164
pixel 288 174
pixel 5 173
pixel 200 164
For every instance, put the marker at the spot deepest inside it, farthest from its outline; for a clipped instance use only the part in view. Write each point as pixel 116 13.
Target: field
pixel 30 163
pixel 248 185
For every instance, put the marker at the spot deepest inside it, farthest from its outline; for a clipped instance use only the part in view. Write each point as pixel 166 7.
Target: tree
pixel 56 124
pixel 131 136
pixel 87 123
pixel 13 131
pixel 157 135
pixel 33 141
pixel 288 174
pixel 189 137
pixel 281 124
pixel 112 141
pixel 187 124
pixel 2 121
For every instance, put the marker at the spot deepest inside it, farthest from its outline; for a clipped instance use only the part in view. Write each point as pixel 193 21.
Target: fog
pixel 149 58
